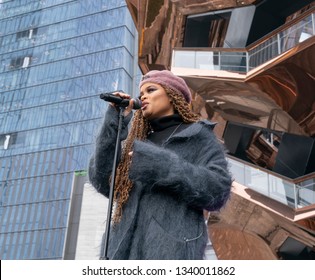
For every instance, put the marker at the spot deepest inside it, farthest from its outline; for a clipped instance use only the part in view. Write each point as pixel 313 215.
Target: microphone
pixel 119 101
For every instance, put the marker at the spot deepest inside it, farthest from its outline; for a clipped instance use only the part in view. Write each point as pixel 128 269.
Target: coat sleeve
pixel 202 185
pixel 101 162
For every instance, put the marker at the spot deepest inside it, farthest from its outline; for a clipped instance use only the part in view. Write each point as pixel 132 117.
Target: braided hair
pixel 140 128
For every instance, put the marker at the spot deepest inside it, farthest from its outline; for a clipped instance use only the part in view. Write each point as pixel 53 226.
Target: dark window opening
pixel 20 62
pixel 293 249
pixel 6 140
pixel 30 33
pixel 206 31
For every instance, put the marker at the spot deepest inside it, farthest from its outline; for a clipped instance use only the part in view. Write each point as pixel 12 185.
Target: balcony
pixel 297 194
pixel 246 59
pixel 269 84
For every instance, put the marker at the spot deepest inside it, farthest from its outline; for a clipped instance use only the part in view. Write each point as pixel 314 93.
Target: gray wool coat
pixel 163 217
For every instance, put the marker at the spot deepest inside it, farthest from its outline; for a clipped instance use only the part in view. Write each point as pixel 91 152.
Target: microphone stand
pixel 112 184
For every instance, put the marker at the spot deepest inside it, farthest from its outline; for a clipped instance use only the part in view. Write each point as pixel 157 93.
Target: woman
pixel 171 169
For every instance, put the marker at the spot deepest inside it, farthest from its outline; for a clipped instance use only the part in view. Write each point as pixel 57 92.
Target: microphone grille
pixel 137 103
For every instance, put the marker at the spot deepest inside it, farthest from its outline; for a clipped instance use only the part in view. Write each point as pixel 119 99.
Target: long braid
pixel 181 106
pixel 139 130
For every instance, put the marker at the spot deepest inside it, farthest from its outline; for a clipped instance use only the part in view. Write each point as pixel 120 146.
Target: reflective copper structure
pixel 273 103
pixel 291 82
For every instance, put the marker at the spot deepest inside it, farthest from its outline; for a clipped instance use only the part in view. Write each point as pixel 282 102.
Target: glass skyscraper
pixel 56 57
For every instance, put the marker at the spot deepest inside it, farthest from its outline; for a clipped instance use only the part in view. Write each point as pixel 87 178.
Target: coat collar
pixel 193 129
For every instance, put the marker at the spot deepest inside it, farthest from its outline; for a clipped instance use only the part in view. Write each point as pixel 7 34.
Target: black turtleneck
pixel 163 128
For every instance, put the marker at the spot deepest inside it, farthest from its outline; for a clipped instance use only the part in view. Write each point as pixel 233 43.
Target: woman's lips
pixel 144 105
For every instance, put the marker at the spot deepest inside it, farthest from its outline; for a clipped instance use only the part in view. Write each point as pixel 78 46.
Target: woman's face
pixel 155 101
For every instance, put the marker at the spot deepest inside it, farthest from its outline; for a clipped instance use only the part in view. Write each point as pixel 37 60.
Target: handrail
pixel 245 59
pixel 283 27
pixel 296 180
pixel 290 192
pixel 216 49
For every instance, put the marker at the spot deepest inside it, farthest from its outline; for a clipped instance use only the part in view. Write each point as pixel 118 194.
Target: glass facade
pixel 56 57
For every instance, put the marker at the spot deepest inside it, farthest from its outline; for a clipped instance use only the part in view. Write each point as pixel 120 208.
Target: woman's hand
pixel 124 96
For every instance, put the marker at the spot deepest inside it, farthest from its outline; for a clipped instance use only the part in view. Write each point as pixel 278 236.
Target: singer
pixel 171 168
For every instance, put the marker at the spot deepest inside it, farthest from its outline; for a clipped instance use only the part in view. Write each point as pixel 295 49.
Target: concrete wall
pixel 239 27
pixel 92 224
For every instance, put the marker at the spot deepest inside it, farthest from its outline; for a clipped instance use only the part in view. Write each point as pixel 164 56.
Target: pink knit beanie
pixel 167 78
